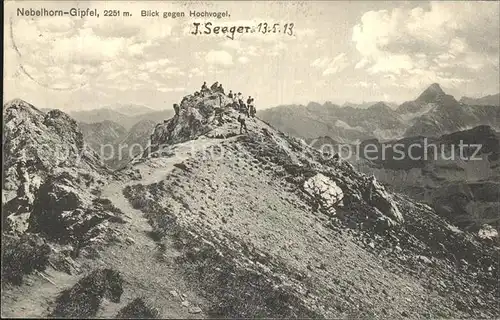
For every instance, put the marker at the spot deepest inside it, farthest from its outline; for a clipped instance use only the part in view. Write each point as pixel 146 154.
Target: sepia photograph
pixel 251 159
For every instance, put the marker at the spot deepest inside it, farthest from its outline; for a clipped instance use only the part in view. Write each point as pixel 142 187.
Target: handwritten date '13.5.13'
pixel 230 31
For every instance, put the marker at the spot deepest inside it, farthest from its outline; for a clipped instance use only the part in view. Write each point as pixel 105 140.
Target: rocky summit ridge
pixel 222 224
pixel 50 176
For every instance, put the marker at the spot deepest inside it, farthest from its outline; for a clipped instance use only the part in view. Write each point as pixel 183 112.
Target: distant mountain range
pixel 490 100
pixel 439 113
pixel 125 115
pixel 114 143
pixel 344 124
pixel 126 120
pixel 367 104
pixel 432 113
pixel 131 109
pixel 465 190
pixel 107 129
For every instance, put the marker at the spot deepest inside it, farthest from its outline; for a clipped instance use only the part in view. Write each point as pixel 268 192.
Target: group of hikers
pixel 246 110
pixel 216 87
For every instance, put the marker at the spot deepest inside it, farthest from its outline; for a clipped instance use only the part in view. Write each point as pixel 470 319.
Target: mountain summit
pixel 232 198
pixel 432 94
pixel 426 101
pixel 435 113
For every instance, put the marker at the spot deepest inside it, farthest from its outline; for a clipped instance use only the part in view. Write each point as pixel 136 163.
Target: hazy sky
pixel 340 51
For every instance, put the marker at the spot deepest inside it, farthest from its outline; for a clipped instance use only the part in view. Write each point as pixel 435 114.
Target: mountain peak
pixel 21 106
pixel 14 102
pixel 435 87
pixel 431 94
pixel 198 114
pixel 380 106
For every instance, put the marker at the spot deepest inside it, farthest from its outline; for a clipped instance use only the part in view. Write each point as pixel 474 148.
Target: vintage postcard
pixel 251 159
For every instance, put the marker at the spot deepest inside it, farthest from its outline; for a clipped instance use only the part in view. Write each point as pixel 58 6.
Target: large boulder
pixel 487 232
pixel 324 193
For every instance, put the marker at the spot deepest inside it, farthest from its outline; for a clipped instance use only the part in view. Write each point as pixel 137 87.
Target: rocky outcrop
pixel 51 178
pixel 198 114
pixel 67 212
pixel 38 145
pixel 378 197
